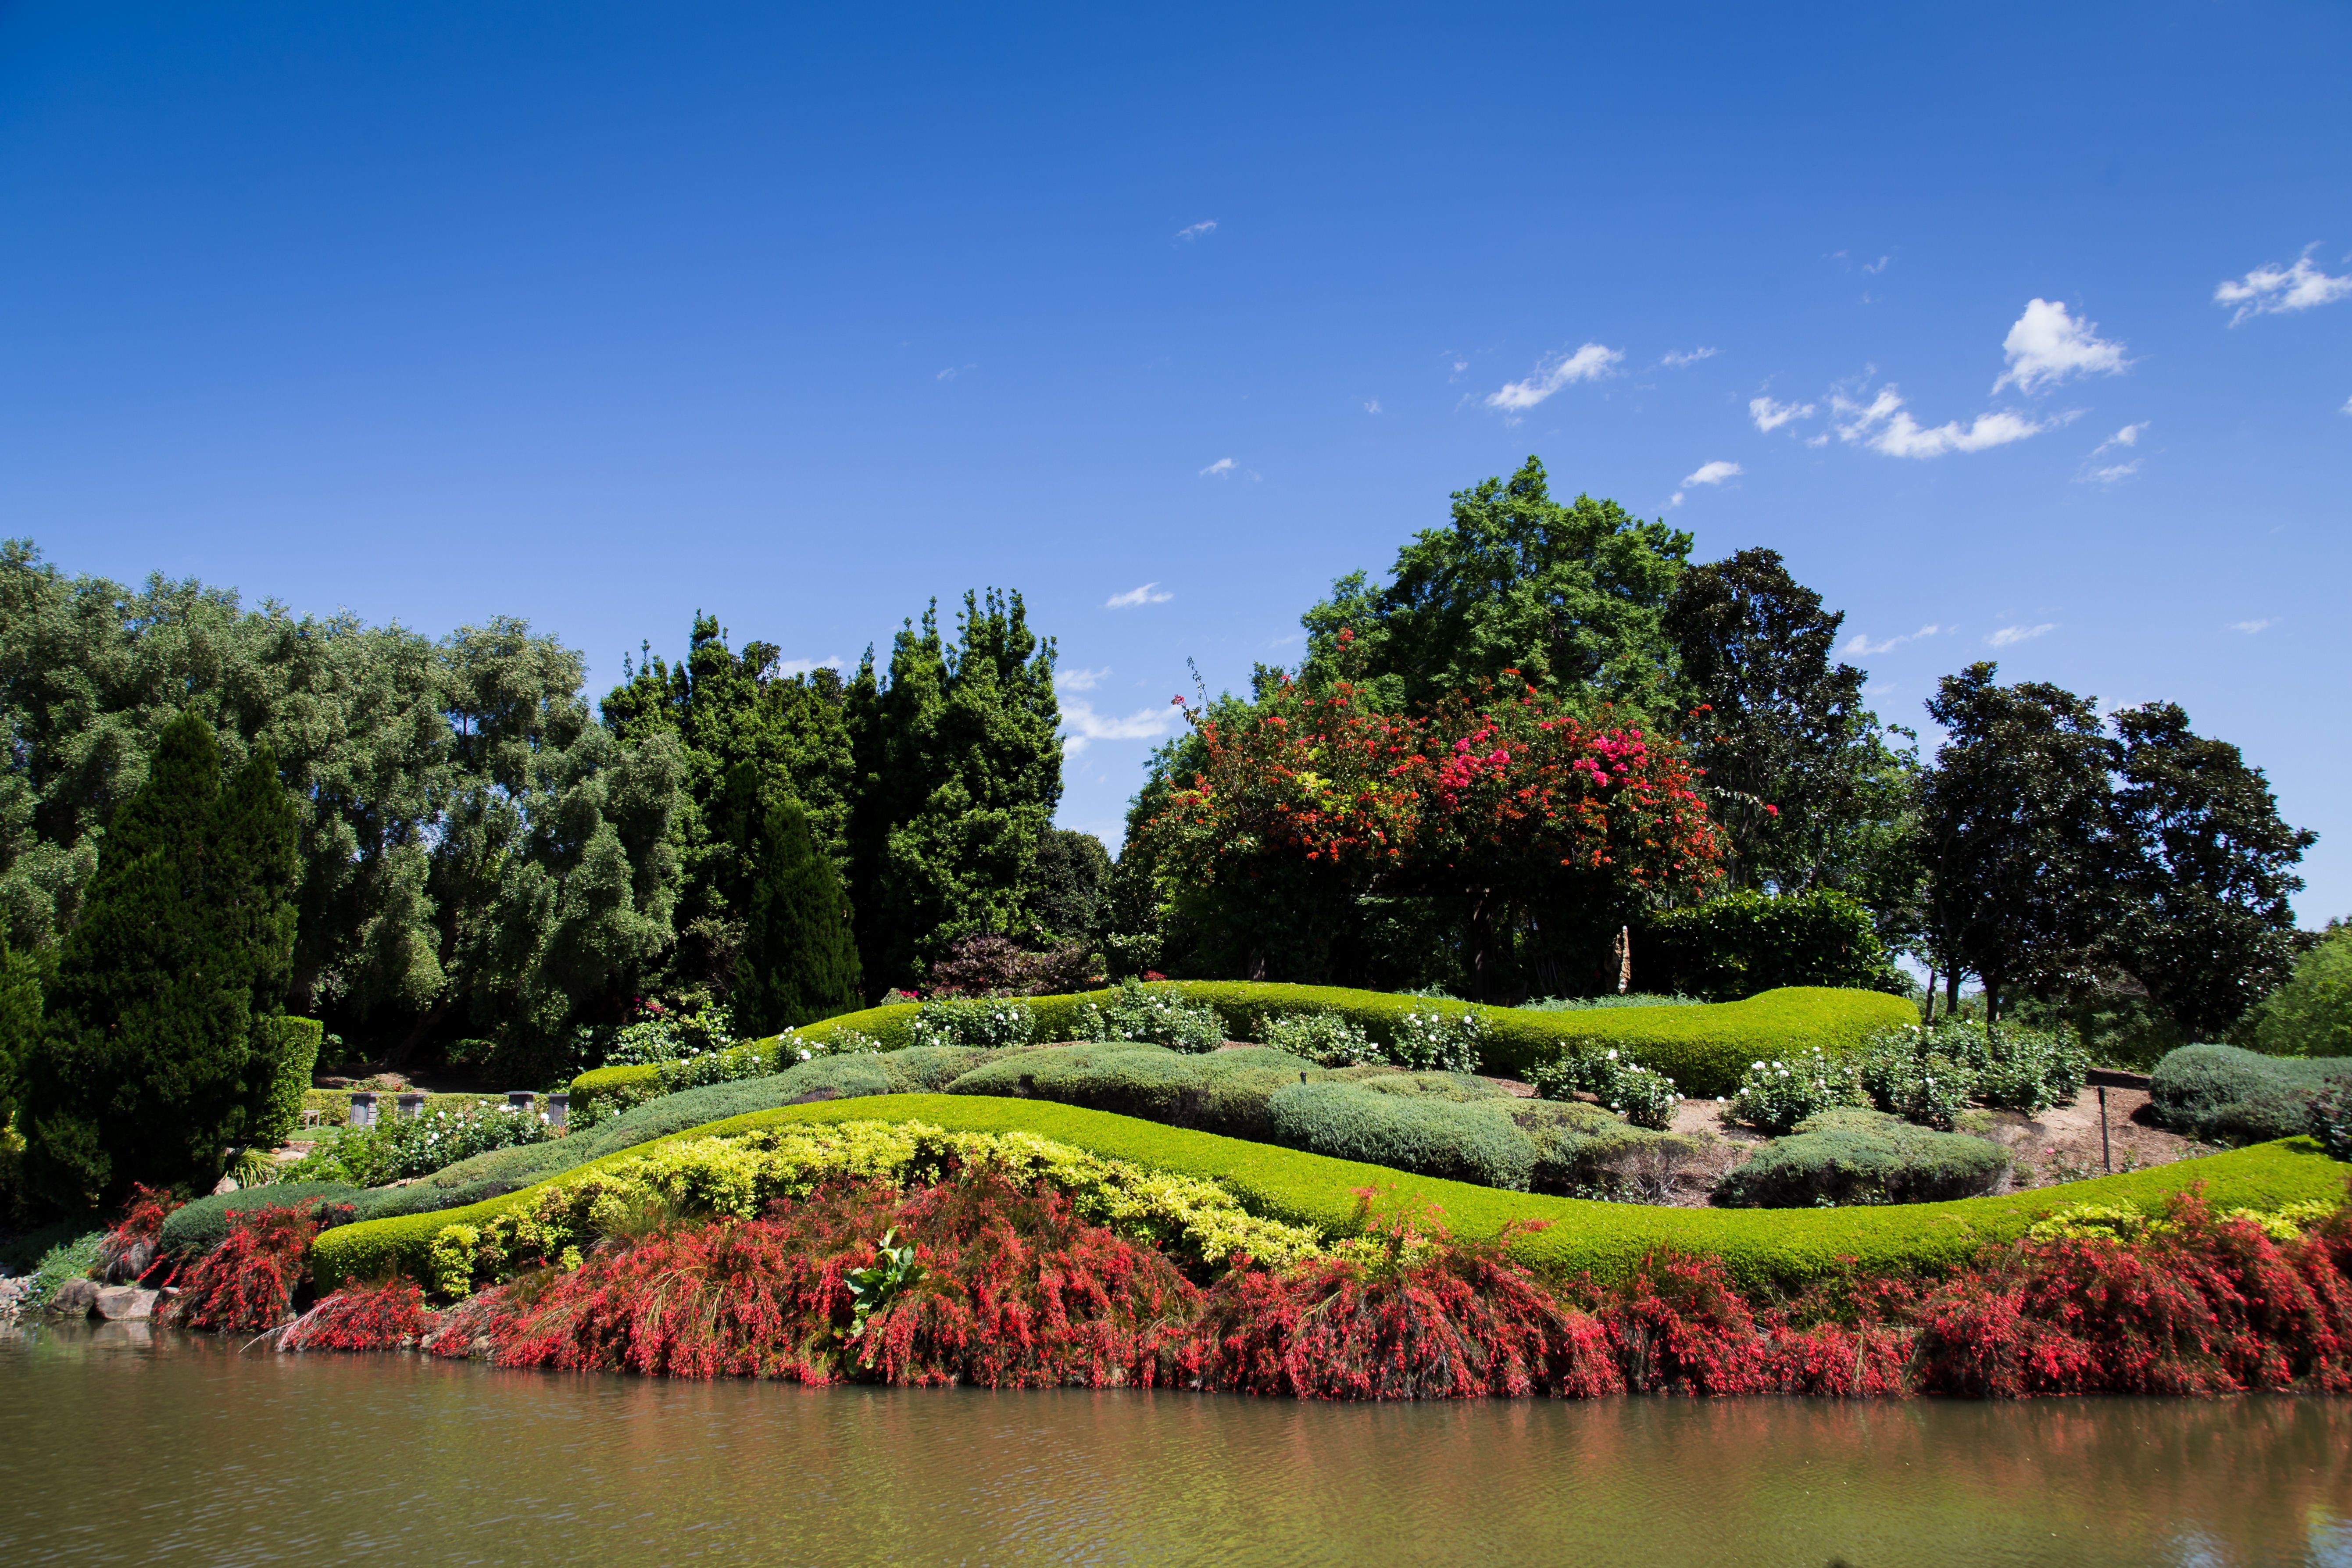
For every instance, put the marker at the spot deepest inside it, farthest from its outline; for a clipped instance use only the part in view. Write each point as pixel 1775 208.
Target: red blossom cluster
pixel 1506 787
pixel 248 1282
pixel 128 1248
pixel 1015 1291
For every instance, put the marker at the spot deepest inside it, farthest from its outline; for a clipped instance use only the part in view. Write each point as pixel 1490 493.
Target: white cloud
pixel 2348 406
pixel 791 667
pixel 1201 231
pixel 1221 468
pixel 1079 679
pixel 2047 345
pixel 1372 406
pixel 1879 266
pixel 2111 473
pixel 2250 627
pixel 1149 593
pixel 2270 290
pixel 1590 363
pixel 1884 426
pixel 1770 416
pixel 1713 473
pixel 2009 636
pixel 2126 436
pixel 1676 359
pixel 1143 724
pixel 1860 644
pixel 954 371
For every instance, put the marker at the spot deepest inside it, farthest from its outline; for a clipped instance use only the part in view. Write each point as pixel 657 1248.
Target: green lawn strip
pixel 1763 1247
pixel 1704 1050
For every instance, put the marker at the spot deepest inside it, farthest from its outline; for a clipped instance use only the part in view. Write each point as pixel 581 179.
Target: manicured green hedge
pixel 1704 1050
pixel 1862 1156
pixel 2225 1095
pixel 1781 1248
pixel 199 1226
pixel 1738 944
pixel 295 1043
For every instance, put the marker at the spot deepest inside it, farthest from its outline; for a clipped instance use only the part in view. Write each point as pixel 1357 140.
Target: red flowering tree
pixel 1507 808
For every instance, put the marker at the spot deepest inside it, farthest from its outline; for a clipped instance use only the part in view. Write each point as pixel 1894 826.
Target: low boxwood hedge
pixel 2224 1095
pixel 1764 1249
pixel 1704 1050
pixel 1848 1156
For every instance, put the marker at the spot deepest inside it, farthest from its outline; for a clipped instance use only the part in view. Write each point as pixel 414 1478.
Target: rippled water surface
pixel 122 1446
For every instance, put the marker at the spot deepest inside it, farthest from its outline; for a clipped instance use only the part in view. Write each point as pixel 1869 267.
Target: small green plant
pixel 989 1025
pixel 1438 1041
pixel 1326 1039
pixel 873 1287
pixel 1774 1096
pixel 1643 1096
pixel 1153 1018
pixel 1905 1076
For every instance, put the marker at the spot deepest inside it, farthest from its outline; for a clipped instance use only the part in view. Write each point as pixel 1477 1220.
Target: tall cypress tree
pixel 157 1052
pixel 798 961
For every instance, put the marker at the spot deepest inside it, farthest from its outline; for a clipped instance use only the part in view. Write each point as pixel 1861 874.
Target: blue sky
pixel 599 315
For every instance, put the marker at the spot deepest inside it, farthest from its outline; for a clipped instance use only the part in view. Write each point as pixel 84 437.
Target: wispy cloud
pixel 1713 473
pixel 1149 593
pixel 2250 627
pixel 1860 643
pixel 2096 472
pixel 1590 363
pixel 954 371
pixel 1676 358
pixel 2046 345
pixel 1087 726
pixel 1222 468
pixel 1080 679
pixel 1372 406
pixel 791 667
pixel 1201 230
pixel 2272 290
pixel 1877 265
pixel 1882 425
pixel 2009 636
pixel 1770 416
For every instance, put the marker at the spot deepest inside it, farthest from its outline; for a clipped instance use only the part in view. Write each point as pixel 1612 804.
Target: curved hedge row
pixel 1783 1249
pixel 1704 1050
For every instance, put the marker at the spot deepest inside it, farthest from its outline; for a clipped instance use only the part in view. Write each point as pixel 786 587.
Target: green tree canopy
pixel 1573 597
pixel 156 1053
pixel 2208 929
pixel 2311 1015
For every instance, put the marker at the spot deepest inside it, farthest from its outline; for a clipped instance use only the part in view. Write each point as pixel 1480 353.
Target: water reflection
pixel 126 1445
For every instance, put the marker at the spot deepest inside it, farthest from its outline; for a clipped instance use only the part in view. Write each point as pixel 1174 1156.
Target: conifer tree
pixel 157 1052
pixel 798 961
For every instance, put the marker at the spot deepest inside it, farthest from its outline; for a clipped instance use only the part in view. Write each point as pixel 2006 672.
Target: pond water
pixel 124 1446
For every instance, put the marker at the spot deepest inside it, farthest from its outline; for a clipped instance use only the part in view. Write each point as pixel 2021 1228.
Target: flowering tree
pixel 1502 804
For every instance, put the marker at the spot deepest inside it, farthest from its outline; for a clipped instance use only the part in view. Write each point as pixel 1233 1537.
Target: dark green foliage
pixel 21 980
pixel 2311 1015
pixel 293 1050
pixel 199 1226
pixel 1743 943
pixel 2225 1095
pixel 2209 930
pixel 1777 725
pixel 2017 818
pixel 798 961
pixel 1852 1156
pixel 1074 886
pixel 158 1051
pixel 959 765
pixel 2331 1119
pixel 1572 598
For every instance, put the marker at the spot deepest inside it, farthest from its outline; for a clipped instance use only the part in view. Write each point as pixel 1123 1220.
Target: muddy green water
pixel 125 1446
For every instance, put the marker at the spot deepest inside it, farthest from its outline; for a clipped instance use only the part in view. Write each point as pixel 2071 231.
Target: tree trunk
pixel 1930 1018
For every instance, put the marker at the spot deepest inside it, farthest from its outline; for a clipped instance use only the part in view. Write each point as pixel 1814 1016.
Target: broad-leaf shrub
pixel 1153 1018
pixel 1643 1096
pixel 2031 1071
pixel 1905 1076
pixel 1437 1042
pixel 1776 1095
pixel 987 1024
pixel 1326 1039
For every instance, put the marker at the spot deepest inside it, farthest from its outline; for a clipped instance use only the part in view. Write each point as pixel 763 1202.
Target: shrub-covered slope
pixel 1762 1248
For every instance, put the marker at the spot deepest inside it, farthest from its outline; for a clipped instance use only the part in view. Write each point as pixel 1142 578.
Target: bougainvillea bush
pixel 1505 808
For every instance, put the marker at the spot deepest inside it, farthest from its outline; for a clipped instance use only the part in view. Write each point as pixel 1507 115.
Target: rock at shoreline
pixel 125 1303
pixel 74 1298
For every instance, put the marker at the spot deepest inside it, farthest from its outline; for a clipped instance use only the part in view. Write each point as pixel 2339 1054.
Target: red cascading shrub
pixel 248 1282
pixel 2202 1306
pixel 1433 1318
pixel 1014 1292
pixel 128 1250
pixel 361 1317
